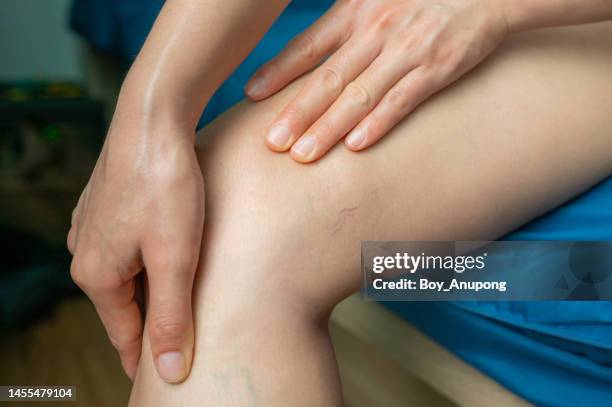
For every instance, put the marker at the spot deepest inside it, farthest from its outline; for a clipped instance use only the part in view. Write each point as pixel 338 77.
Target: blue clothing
pixel 588 217
pixel 551 353
pixel 119 28
pixel 530 365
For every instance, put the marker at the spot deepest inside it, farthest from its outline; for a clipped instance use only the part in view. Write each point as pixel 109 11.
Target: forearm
pixel 472 164
pixel 524 15
pixel 193 47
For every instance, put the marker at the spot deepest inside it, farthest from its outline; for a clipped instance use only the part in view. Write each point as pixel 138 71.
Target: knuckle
pixel 397 99
pixel 349 7
pixel 352 4
pixel 73 216
pixel 88 274
pixel 294 113
pixel 304 46
pixel 125 344
pixel 330 79
pixel 440 13
pixel 407 95
pixel 267 70
pixel 408 45
pixel 70 240
pixel 453 63
pixel 447 59
pixel 84 265
pixel 359 94
pixel 176 257
pixel 90 260
pixel 89 263
pixel 76 275
pixel 383 18
pixel 166 329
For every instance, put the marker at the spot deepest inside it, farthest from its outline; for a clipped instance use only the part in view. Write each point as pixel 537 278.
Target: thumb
pixel 170 321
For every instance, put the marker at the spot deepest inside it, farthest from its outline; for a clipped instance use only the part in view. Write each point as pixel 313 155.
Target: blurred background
pixel 61 66
pixel 58 86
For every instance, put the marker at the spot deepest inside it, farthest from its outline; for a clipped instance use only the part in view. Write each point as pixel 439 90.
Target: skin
pixel 281 243
pixel 376 61
pixel 143 207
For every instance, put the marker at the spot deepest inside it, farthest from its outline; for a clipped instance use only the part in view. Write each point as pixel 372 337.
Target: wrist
pixel 510 12
pixel 135 121
pixel 155 101
pixel 523 15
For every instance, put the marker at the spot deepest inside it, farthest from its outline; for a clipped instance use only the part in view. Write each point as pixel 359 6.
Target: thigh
pixel 524 132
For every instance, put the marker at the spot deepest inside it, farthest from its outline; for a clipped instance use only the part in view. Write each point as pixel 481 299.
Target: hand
pixel 142 208
pixel 385 58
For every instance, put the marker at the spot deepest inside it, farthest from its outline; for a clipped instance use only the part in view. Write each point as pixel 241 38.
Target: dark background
pixel 57 93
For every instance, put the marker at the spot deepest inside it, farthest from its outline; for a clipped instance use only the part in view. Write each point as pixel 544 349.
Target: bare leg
pixel 525 132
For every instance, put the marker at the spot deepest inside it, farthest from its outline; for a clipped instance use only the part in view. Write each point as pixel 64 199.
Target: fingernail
pixel 171 366
pixel 304 145
pixel 355 139
pixel 256 87
pixel 279 135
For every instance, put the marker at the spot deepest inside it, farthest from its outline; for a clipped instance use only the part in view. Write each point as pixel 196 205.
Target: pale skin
pixel 281 243
pixel 384 58
pixel 124 221
pixel 144 204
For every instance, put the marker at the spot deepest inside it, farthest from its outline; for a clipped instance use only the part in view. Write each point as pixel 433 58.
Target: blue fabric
pixel 551 353
pixel 531 367
pixel 119 28
pixel 588 217
pixel 296 18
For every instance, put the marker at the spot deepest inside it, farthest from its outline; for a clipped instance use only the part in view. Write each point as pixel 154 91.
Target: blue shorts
pixel 550 353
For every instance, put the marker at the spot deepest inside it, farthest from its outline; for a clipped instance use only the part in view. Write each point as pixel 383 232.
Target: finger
pixel 399 101
pixel 76 212
pixel 74 218
pixel 114 301
pixel 71 240
pixel 123 322
pixel 300 55
pixel 320 91
pixel 169 318
pixel 355 102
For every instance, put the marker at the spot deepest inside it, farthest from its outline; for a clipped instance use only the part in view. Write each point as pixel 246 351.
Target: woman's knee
pixel 280 227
